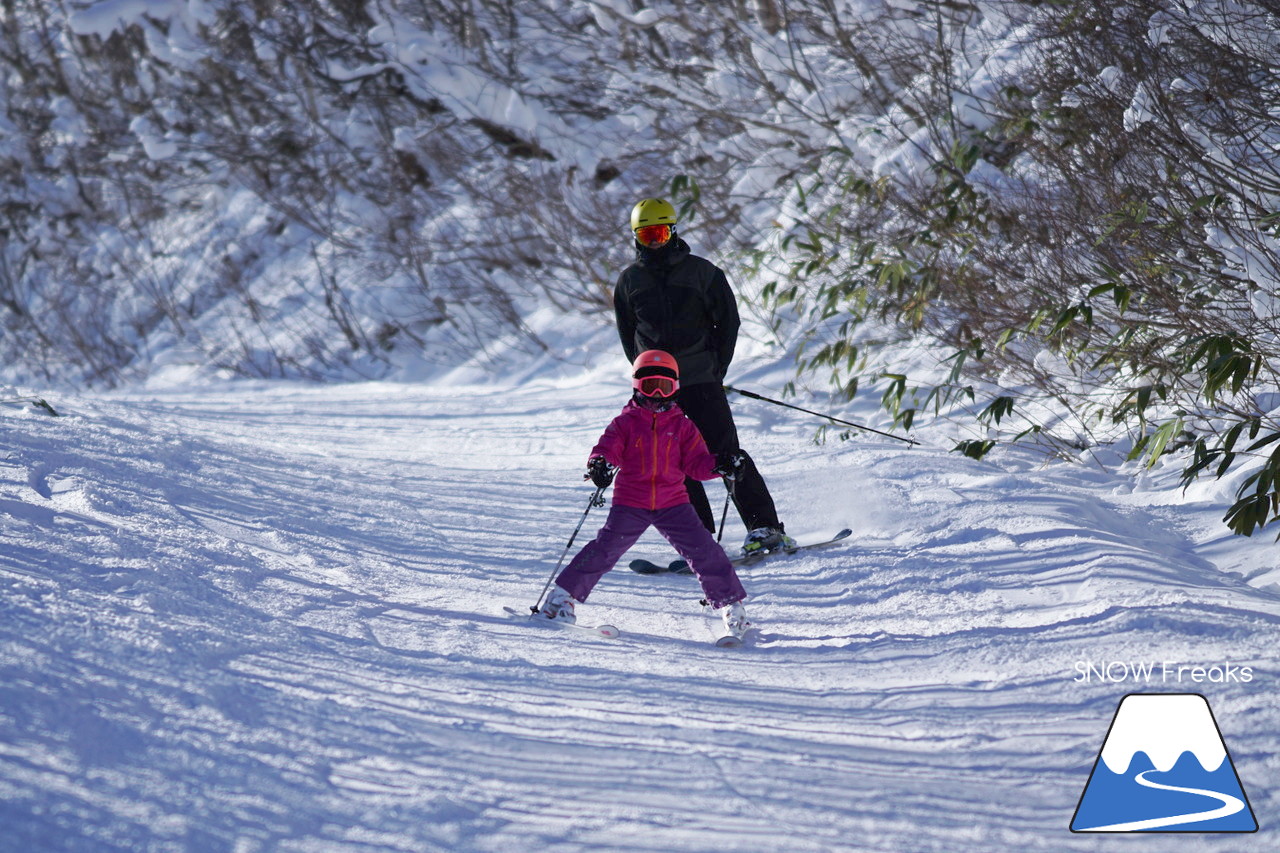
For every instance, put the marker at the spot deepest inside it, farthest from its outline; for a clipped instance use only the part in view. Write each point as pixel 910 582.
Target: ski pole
pixel 753 395
pixel 728 494
pixel 596 500
pixel 730 484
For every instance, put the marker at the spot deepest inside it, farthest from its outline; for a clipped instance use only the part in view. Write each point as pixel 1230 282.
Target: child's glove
pixel 600 472
pixel 729 464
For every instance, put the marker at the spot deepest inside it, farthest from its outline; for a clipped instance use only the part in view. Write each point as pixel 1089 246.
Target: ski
pixel 607 631
pixel 730 641
pixel 733 640
pixel 648 567
pixel 680 567
pixel 34 402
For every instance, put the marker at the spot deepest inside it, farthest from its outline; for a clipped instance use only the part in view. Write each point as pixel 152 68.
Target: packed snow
pixel 268 616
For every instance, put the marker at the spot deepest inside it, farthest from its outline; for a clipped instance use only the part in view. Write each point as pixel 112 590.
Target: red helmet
pixel 655 374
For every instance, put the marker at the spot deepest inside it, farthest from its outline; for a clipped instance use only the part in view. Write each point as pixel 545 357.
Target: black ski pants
pixel 707 406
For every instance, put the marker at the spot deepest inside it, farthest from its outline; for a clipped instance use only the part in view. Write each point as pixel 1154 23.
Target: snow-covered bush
pixel 1080 200
pixel 312 189
pixel 297 189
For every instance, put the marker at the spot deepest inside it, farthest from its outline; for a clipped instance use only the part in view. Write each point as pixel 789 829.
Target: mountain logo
pixel 1163 767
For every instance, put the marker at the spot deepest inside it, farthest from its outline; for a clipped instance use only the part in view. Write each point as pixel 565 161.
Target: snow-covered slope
pixel 258 617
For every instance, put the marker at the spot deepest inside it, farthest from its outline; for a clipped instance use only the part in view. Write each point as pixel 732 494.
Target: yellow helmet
pixel 652 211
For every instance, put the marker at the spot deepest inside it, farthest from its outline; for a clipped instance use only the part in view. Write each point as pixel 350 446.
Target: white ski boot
pixel 736 625
pixel 735 617
pixel 558 607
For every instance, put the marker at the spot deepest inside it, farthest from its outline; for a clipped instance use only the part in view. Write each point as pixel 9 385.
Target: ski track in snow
pixel 270 617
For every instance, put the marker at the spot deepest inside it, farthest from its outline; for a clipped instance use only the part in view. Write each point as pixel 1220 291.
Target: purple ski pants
pixel 680 526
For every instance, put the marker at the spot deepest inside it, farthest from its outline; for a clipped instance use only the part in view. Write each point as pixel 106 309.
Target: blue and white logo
pixel 1164 767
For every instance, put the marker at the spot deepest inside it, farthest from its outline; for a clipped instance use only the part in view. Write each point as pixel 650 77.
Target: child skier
pixel 654 447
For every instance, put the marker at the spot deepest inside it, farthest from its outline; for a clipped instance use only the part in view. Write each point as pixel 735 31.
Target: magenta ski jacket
pixel 654 452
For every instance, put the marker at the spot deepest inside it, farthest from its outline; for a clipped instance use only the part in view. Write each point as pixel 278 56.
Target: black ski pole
pixel 728 495
pixel 753 395
pixel 596 500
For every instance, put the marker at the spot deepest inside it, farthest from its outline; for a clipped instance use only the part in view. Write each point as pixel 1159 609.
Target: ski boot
pixel 735 619
pixel 558 607
pixel 764 540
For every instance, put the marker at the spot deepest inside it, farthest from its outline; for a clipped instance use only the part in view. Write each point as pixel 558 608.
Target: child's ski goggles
pixel 657 386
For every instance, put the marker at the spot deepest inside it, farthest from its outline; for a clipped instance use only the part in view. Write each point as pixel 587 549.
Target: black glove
pixel 600 472
pixel 729 463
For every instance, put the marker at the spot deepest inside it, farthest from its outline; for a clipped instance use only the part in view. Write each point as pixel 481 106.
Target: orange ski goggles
pixel 653 236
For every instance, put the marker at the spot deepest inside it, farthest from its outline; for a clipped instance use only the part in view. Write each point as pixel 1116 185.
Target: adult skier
pixel 654 448
pixel 672 300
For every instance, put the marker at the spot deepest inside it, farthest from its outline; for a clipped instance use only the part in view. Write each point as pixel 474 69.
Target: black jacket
pixel 676 301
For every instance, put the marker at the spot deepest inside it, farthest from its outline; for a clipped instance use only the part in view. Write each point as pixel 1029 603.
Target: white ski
pixel 606 631
pixel 734 639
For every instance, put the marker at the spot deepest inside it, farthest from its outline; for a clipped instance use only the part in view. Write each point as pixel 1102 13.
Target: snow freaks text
pixel 1160 672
